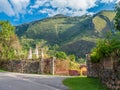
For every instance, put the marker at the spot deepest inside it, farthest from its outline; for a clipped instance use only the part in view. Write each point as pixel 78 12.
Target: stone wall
pixel 21 66
pixel 108 71
pixel 34 66
pixel 93 69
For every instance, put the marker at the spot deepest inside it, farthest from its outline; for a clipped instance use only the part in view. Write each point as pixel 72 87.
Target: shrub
pixel 72 57
pixel 95 57
pixel 61 55
pixel 107 47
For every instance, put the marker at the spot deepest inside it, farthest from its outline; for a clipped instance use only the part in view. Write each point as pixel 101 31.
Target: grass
pixel 84 83
pixel 99 23
pixel 109 14
pixel 2 70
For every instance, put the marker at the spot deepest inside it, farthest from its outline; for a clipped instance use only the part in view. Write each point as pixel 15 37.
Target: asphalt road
pixel 16 81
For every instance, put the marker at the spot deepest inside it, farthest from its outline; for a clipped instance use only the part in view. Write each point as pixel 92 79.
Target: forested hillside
pixel 73 35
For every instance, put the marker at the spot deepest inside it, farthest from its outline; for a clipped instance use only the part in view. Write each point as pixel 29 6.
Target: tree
pixel 61 55
pixel 8 41
pixel 117 17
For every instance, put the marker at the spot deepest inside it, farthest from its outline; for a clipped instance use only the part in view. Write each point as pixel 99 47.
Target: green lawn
pixel 84 83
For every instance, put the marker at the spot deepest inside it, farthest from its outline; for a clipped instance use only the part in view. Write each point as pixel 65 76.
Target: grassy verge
pixel 2 70
pixel 84 83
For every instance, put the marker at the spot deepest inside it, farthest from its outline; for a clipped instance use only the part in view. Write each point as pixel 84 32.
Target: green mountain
pixel 74 35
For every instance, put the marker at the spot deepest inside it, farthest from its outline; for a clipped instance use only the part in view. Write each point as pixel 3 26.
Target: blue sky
pixel 24 11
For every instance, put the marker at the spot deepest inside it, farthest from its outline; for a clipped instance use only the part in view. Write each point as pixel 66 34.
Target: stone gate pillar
pixel 42 61
pixel 53 66
pixel 30 54
pixel 36 53
pixel 93 69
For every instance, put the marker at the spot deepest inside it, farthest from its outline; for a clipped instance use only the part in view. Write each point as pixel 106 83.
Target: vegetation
pixel 61 55
pixel 72 57
pixel 60 36
pixel 110 46
pixel 106 47
pixel 72 35
pixel 1 70
pixel 110 15
pixel 84 83
pixel 74 66
pixel 9 43
pixel 117 17
pixel 101 23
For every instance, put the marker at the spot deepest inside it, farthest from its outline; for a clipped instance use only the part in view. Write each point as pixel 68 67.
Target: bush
pixel 107 47
pixel 95 57
pixel 72 57
pixel 61 55
pixel 74 65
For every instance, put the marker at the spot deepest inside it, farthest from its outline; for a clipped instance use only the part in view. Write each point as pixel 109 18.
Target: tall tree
pixel 8 41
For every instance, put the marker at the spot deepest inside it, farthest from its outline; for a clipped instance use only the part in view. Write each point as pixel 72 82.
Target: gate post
pixel 53 66
pixel 41 63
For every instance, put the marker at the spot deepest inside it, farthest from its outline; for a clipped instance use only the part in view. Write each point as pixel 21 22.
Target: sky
pixel 24 11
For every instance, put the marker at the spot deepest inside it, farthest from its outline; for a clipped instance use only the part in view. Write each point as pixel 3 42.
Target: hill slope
pixel 74 35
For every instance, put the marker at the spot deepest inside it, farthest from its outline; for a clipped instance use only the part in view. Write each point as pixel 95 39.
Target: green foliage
pixel 103 49
pixel 115 44
pixel 8 40
pixel 107 47
pixel 61 55
pixel 72 57
pixel 117 17
pixel 79 48
pixel 81 60
pixel 74 66
pixel 95 57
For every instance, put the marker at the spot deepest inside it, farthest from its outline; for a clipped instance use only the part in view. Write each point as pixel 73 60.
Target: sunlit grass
pixel 99 23
pixel 84 83
pixel 109 14
pixel 2 70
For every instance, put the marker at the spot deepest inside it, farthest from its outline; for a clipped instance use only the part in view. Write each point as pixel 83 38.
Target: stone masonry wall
pixel 34 66
pixel 110 74
pixel 93 69
pixel 21 66
pixel 108 71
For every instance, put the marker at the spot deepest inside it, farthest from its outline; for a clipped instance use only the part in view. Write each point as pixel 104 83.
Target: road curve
pixel 17 81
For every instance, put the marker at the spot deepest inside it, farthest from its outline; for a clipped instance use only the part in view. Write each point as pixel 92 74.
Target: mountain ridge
pixel 69 32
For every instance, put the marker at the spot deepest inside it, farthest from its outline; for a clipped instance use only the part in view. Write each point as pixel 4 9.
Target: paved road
pixel 16 81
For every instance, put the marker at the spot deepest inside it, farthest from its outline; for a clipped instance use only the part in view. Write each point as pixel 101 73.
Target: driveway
pixel 17 81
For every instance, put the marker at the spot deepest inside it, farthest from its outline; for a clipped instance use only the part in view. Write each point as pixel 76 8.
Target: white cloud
pixel 39 3
pixel 107 1
pixel 50 7
pixel 59 3
pixel 67 7
pixel 20 6
pixel 117 1
pixel 6 8
pixel 50 12
pixel 81 4
pixel 14 7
